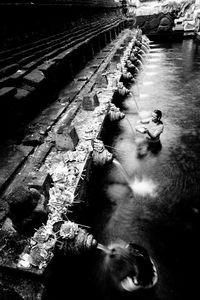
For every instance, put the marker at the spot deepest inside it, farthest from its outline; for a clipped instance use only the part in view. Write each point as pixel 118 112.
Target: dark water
pixel 162 210
pixel 162 213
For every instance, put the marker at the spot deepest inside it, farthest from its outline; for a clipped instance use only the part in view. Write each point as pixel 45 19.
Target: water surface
pixel 161 211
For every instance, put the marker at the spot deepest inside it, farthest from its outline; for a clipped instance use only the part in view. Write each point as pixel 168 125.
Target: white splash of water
pixel 142 95
pixel 143 187
pixel 151 66
pixel 148 73
pixel 148 82
pixel 144 114
pixel 156 49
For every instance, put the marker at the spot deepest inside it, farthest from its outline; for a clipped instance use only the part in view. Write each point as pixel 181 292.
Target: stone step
pixel 33 48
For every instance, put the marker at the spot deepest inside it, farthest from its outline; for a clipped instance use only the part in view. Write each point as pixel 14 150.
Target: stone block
pixel 90 102
pixel 34 78
pixel 41 181
pixel 48 67
pixel 22 94
pixel 7 92
pixel 101 81
pixel 67 118
pixel 67 140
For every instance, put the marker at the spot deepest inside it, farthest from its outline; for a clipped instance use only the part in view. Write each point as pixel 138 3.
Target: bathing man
pixel 152 128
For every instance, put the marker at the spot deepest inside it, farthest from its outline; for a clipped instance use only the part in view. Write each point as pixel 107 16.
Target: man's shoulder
pixel 160 125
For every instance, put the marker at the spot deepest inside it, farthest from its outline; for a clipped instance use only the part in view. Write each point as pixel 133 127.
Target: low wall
pixel 156 23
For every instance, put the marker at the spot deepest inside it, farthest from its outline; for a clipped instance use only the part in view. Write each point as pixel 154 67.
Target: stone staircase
pixel 28 72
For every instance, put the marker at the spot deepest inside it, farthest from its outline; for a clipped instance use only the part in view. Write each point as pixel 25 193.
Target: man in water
pixel 152 128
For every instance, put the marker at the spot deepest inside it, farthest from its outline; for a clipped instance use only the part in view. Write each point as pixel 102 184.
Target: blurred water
pixel 159 209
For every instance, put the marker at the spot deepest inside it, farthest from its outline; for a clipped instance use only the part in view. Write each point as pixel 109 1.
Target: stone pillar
pixel 97 44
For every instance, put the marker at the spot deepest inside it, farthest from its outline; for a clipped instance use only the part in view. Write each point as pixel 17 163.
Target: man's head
pixel 156 115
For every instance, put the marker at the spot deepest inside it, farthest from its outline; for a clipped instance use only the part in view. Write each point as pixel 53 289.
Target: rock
pixel 22 202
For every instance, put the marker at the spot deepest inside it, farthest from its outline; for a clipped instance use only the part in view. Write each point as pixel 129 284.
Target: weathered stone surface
pixel 6 81
pixel 30 65
pixel 28 87
pixel 18 74
pixel 41 181
pixel 33 139
pixel 7 92
pixel 11 158
pixel 26 209
pixel 47 68
pixel 35 78
pixel 40 126
pixel 82 78
pixel 25 289
pixel 33 163
pixel 22 202
pixel 67 140
pixel 9 69
pixel 36 160
pixel 18 286
pixel 22 94
pixel 8 293
pixel 4 207
pixel 90 102
pixel 101 81
pixel 67 118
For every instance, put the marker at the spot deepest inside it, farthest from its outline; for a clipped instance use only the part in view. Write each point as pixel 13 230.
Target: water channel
pixel 161 210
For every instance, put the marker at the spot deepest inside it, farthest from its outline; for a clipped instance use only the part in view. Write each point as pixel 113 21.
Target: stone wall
pixel 22 23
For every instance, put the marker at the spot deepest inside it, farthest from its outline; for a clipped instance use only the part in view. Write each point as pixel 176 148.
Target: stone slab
pixel 7 92
pixel 11 158
pixel 18 74
pixel 9 69
pixel 34 78
pixel 22 94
